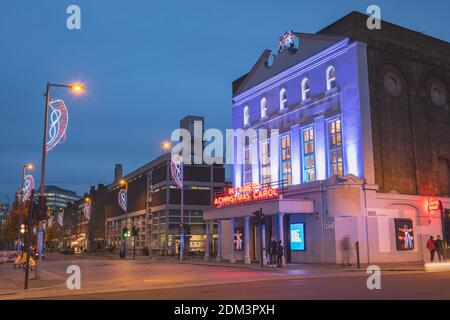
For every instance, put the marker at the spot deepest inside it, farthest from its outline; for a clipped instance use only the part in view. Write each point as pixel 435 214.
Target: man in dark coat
pixel 440 248
pixel 280 252
pixel 273 252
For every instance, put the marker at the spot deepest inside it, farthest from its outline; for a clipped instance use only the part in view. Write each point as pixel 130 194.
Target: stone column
pixel 207 224
pixel 263 235
pixel 281 235
pixel 219 241
pixel 232 256
pixel 247 241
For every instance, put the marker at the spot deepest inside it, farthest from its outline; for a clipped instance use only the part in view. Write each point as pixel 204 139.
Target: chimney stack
pixel 117 172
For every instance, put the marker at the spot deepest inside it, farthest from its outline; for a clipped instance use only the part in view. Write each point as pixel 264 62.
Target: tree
pixel 11 227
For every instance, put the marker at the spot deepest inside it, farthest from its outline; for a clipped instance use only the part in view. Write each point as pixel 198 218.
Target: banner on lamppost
pixel 58 121
pixel 123 199
pixel 176 169
pixel 87 210
pixel 60 219
pixel 28 186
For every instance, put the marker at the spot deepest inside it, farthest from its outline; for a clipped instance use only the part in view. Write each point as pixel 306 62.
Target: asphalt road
pixel 398 286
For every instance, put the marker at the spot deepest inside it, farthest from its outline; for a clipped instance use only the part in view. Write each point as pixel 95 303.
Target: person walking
pixel 431 246
pixel 440 248
pixel 346 251
pixel 273 251
pixel 280 254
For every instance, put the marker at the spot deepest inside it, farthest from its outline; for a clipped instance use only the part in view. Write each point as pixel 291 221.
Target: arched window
pixel 246 116
pixel 263 107
pixel 283 99
pixel 331 78
pixel 305 89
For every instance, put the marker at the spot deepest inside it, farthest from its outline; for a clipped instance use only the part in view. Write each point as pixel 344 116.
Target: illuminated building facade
pixel 362 153
pixel 58 198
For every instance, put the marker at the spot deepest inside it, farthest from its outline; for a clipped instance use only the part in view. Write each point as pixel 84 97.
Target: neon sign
pixel 123 199
pixel 28 186
pixel 434 205
pixel 248 193
pixel 59 120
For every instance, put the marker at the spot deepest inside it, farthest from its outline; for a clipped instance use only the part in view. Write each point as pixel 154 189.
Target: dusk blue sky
pixel 146 64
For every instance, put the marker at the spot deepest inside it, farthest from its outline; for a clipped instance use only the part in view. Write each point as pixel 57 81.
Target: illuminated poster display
pixel 297 231
pixel 238 239
pixel 404 234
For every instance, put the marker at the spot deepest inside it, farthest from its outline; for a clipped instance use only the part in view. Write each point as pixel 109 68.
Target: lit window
pixel 263 107
pixel 309 171
pixel 283 99
pixel 305 89
pixel 286 173
pixel 247 166
pixel 265 163
pixel 331 78
pixel 246 116
pixel 335 147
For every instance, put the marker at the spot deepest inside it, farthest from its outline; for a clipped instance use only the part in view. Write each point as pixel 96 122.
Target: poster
pixel 238 239
pixel 297 232
pixel 404 234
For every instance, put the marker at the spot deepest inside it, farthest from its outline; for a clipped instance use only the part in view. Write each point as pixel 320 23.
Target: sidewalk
pixel 12 280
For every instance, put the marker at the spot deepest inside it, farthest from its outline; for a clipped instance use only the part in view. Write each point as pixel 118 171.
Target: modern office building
pixel 58 198
pixel 4 209
pixel 358 148
pixel 153 205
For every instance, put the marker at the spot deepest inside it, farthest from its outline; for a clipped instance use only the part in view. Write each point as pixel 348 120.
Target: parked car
pixel 67 251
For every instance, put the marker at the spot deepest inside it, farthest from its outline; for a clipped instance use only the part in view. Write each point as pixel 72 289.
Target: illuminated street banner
pixel 123 199
pixel 249 193
pixel 176 169
pixel 28 186
pixel 61 219
pixel 297 232
pixel 58 122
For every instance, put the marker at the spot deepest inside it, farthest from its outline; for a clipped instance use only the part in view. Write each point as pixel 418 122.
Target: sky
pixel 146 64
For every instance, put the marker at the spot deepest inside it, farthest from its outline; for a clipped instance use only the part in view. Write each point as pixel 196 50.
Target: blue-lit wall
pixel 349 101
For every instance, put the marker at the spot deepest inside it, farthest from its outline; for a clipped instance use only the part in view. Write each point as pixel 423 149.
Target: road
pixel 144 279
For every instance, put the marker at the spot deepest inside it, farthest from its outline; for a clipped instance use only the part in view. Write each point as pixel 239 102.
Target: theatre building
pixel 362 152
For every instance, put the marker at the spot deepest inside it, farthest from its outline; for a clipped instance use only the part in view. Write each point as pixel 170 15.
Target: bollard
pixel 357 255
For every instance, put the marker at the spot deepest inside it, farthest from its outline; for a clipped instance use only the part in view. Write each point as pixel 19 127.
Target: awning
pixel 268 208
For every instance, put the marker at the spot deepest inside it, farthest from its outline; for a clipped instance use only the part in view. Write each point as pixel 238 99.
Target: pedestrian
pixel 431 246
pixel 346 251
pixel 273 251
pixel 280 254
pixel 440 248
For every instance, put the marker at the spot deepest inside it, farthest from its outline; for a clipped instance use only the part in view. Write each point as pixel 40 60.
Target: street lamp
pixel 165 146
pixel 76 88
pixel 27 166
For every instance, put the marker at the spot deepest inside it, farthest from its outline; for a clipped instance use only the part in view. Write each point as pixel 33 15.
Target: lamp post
pixel 76 88
pixel 123 182
pixel 28 166
pixel 166 146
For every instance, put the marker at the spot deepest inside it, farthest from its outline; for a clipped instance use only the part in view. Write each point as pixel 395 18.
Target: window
pixel 263 107
pixel 283 99
pixel 305 89
pixel 444 176
pixel 309 165
pixel 335 147
pixel 286 160
pixel 247 166
pixel 331 78
pixel 265 163
pixel 246 116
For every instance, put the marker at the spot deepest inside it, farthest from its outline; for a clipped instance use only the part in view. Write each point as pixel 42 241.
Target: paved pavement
pixel 170 279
